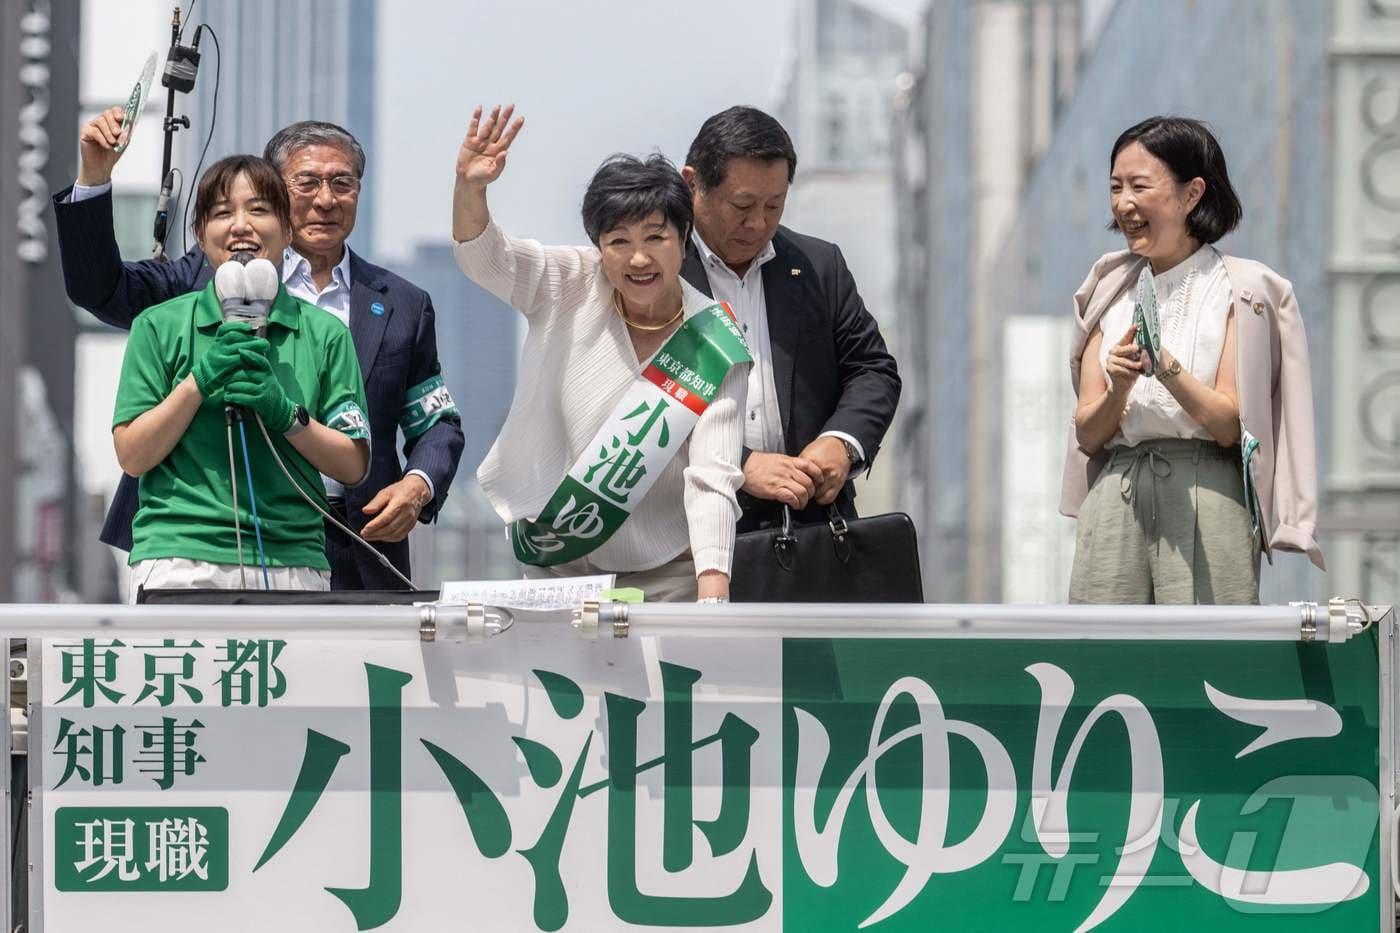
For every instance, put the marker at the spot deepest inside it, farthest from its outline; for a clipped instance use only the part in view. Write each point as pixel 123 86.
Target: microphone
pixel 262 283
pixel 162 223
pixel 250 286
pixel 231 285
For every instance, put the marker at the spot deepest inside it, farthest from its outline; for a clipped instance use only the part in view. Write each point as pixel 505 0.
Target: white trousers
pixel 179 573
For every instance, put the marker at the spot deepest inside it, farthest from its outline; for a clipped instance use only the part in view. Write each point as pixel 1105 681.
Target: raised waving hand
pixel 480 160
pixel 482 156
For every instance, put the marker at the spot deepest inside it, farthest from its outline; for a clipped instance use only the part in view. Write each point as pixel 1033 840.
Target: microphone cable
pixel 213 118
pixel 252 499
pixel 189 15
pixel 384 561
pixel 233 488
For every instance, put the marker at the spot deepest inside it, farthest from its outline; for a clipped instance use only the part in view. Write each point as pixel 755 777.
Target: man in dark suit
pixel 391 322
pixel 823 388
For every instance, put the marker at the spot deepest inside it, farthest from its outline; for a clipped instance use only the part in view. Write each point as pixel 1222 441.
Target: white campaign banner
pixel 168 773
pixel 538 781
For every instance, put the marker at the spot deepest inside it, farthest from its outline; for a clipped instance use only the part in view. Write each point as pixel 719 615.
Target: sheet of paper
pixel 556 593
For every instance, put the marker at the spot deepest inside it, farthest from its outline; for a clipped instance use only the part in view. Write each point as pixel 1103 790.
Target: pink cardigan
pixel 1275 394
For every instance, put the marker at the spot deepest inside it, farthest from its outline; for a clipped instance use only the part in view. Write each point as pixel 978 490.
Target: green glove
pixel 265 396
pixel 225 358
pixel 255 364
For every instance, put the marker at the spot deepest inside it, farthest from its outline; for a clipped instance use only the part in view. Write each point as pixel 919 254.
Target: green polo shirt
pixel 186 506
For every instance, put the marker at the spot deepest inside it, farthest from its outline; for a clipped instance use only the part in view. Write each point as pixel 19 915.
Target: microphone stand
pixel 180 66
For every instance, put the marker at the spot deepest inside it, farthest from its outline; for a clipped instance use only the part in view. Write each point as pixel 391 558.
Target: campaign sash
pixel 636 442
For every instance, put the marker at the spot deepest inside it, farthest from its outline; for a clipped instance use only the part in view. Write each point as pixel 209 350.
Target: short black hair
pixel 1189 150
pixel 626 188
pixel 739 132
pixel 263 178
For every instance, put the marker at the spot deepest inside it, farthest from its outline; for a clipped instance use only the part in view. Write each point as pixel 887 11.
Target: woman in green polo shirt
pixel 184 365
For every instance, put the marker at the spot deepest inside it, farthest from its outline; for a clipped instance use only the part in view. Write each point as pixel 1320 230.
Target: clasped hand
pixel 235 348
pixel 817 474
pixel 236 371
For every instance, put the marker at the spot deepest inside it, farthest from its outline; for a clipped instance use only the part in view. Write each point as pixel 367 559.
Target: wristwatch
pixel 300 419
pixel 852 454
pixel 1172 370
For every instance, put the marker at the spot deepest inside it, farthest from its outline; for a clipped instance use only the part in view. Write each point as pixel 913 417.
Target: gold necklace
pixel 617 306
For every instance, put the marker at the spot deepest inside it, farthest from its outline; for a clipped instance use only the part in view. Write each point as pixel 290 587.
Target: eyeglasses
pixel 308 186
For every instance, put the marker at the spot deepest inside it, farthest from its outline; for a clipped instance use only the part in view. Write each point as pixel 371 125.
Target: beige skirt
pixel 672 582
pixel 1166 523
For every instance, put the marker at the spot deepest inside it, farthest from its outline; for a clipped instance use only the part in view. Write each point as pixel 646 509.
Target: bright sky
pixel 591 77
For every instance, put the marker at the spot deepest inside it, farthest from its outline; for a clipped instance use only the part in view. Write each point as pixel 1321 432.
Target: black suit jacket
pixel 396 344
pixel 831 369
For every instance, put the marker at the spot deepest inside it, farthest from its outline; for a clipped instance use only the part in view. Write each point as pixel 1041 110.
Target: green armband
pixel 424 406
pixel 349 420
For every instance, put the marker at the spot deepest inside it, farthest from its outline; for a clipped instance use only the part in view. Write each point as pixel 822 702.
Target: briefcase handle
pixel 785 541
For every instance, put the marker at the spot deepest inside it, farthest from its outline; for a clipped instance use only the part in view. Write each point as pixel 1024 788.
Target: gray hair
pixel 313 133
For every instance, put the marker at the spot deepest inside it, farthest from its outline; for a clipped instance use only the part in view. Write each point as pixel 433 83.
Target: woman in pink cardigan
pixel 1192 449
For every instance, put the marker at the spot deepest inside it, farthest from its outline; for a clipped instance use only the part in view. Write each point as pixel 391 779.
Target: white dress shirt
pixel 296 278
pixel 335 297
pixel 763 419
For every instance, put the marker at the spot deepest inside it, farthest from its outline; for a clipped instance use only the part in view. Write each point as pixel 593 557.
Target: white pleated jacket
pixel 576 365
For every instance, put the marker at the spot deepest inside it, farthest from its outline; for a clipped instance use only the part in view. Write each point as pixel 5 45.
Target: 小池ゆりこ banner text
pixel 538 781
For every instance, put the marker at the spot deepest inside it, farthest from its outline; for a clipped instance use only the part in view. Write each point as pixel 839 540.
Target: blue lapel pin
pixel 376 309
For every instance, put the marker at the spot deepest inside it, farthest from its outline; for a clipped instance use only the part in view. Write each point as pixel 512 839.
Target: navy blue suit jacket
pixel 396 346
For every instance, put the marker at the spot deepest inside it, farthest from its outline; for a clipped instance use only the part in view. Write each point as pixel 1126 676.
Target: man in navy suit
pixel 391 322
pixel 823 387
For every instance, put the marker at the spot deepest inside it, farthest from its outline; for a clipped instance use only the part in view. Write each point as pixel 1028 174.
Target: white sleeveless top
pixel 1193 304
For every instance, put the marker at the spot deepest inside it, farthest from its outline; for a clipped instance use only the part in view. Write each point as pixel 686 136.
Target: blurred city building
pixel 836 100
pixel 1002 147
pixel 11 294
pixel 978 106
pixel 39 551
pixel 284 62
pixel 477 337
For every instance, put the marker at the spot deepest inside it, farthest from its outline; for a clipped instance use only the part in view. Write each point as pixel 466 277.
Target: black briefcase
pixel 859 560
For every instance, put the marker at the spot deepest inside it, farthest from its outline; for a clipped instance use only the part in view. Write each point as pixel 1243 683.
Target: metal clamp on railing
pixel 462 621
pixel 1307 626
pixel 595 615
pixel 1350 616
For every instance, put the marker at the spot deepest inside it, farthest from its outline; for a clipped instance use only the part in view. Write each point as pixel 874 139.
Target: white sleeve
pixel 83 192
pixel 713 475
pixel 524 274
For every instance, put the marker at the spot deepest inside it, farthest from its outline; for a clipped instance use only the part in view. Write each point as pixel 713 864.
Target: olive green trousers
pixel 1166 523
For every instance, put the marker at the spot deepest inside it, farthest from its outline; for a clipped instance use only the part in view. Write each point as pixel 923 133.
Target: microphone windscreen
pixel 262 280
pixel 230 282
